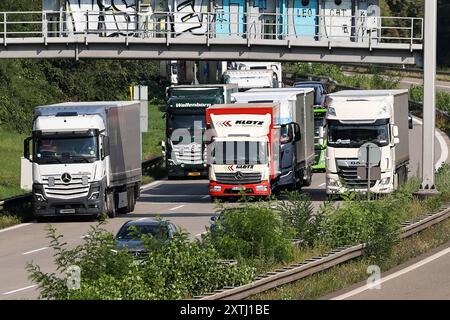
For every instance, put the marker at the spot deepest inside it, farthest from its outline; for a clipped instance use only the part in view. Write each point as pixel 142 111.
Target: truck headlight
pixel 39 197
pixel 385 181
pixel 216 189
pixel 261 188
pixel 94 196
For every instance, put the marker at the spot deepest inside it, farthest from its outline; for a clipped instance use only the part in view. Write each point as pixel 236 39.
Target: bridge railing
pixel 297 30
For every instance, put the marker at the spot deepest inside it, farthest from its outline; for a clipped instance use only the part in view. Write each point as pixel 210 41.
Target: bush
pixel 297 211
pixel 375 223
pixel 177 270
pixel 8 221
pixel 252 233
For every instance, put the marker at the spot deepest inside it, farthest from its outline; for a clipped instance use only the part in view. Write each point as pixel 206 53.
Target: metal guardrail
pixel 394 68
pixel 26 198
pixel 88 26
pixel 314 265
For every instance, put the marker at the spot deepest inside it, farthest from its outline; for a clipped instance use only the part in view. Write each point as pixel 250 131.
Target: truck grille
pixel 78 187
pixel 238 178
pixel 349 176
pixel 189 154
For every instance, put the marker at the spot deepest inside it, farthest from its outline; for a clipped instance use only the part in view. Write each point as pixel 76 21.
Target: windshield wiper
pixel 85 159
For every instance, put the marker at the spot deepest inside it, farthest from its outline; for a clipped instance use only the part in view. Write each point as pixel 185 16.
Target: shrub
pixel 375 223
pixel 253 233
pixel 297 211
pixel 178 270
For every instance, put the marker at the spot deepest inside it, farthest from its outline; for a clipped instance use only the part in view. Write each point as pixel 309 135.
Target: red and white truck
pixel 244 149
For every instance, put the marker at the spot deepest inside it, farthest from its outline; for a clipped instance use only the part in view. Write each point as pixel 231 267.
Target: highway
pixel 185 203
pixel 423 278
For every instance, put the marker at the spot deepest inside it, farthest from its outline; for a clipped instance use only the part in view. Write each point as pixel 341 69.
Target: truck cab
pixel 243 150
pixel 357 117
pixel 185 126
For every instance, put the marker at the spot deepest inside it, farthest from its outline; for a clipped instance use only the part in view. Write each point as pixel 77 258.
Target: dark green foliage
pixel 177 270
pixel 253 232
pixel 25 84
pixel 297 211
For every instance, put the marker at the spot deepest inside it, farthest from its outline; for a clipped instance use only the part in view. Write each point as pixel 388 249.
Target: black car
pixel 130 234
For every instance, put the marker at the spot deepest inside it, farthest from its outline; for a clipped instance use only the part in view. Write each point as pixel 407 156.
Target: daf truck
pixel 297 132
pixel 243 149
pixel 86 158
pixel 185 125
pixel 355 118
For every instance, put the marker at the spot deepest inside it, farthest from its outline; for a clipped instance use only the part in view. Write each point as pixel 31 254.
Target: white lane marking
pixel 395 275
pixel 15 227
pixel 33 251
pixel 176 208
pixel 140 219
pixel 21 289
pixel 322 185
pixel 444 148
pixel 151 185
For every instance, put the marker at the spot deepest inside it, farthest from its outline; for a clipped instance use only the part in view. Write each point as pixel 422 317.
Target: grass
pixel 8 221
pixel 345 275
pixel 151 140
pixel 11 148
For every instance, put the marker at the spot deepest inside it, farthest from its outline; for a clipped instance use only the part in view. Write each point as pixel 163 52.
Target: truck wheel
pixel 131 200
pixel 110 205
pixel 308 181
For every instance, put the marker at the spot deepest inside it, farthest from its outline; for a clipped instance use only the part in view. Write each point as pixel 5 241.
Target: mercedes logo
pixel 239 175
pixel 66 178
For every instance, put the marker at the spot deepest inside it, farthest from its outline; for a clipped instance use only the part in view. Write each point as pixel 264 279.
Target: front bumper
pixel 62 207
pixel 335 186
pixel 45 206
pixel 248 190
pixel 187 170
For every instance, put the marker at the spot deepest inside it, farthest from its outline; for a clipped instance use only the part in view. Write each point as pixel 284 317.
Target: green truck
pixel 184 148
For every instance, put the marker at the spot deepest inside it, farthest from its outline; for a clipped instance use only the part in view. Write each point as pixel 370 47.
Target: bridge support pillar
pixel 428 187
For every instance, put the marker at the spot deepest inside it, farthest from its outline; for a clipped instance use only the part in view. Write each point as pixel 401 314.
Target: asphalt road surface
pixel 185 203
pixel 424 278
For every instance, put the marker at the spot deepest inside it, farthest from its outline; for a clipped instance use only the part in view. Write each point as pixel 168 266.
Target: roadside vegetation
pixel 8 221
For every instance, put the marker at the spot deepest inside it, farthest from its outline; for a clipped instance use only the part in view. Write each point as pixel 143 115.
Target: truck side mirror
pixel 26 148
pixel 395 131
pixel 297 132
pixel 105 150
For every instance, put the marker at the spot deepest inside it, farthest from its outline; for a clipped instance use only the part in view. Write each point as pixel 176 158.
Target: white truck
pixel 85 158
pixel 357 117
pixel 250 75
pixel 296 114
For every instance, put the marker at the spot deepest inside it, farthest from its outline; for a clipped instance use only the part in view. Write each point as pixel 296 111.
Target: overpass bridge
pixel 331 37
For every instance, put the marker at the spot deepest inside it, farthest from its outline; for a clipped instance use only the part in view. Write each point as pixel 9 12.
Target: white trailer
pixel 356 117
pixel 86 158
pixel 296 111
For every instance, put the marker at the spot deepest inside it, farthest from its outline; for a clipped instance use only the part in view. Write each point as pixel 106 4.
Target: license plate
pixel 194 174
pixel 238 188
pixel 67 211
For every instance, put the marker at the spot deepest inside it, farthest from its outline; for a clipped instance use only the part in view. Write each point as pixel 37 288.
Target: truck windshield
pixel 355 135
pixel 194 123
pixel 58 149
pixel 240 152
